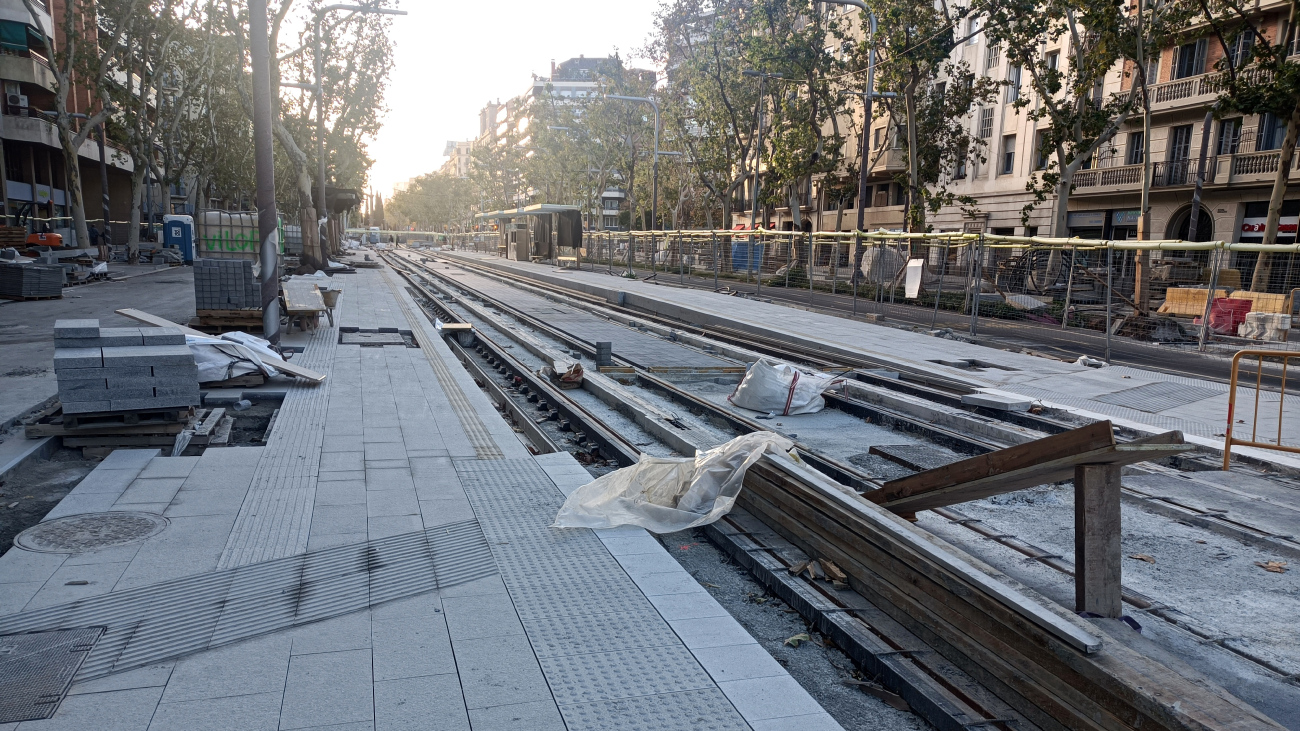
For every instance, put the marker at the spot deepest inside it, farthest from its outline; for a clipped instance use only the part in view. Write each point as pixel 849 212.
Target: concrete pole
pixel 264 154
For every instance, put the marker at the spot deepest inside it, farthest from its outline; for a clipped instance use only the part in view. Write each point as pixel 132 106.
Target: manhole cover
pixel 36 669
pixel 81 533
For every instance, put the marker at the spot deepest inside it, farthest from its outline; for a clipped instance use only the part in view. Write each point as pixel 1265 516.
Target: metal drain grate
pixel 36 669
pixel 90 531
pixel 196 613
pixel 1160 396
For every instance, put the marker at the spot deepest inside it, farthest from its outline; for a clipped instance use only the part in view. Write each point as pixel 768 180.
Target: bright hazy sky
pixel 453 56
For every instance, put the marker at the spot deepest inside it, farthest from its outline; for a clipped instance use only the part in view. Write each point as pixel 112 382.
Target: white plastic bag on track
pixel 668 494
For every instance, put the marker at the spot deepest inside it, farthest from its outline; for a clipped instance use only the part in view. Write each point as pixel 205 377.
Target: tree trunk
pixel 72 188
pixel 1286 159
pixel 915 220
pixel 133 223
pixel 311 251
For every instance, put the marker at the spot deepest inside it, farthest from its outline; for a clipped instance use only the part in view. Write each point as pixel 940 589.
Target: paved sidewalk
pixel 1144 400
pixel 384 562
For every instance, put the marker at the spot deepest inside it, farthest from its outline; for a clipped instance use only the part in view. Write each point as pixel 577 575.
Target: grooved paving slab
pixel 276 515
pixel 479 437
pixel 628 670
pixel 154 623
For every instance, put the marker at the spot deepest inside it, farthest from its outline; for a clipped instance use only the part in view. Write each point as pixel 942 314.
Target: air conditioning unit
pixel 17 103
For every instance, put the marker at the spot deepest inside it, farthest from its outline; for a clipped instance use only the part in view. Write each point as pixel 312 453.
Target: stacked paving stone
pixel 31 280
pixel 225 284
pixel 109 369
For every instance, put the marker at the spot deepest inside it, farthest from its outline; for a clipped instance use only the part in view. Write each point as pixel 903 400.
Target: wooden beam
pixel 280 365
pixel 1043 461
pixel 1097 570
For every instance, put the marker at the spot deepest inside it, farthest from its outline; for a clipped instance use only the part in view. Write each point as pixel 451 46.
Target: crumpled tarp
pixel 668 494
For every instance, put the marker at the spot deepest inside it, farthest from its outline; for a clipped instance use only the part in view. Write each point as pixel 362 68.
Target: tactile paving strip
pixel 36 669
pixel 697 710
pixel 168 620
pixel 628 670
pixel 276 515
pixel 479 437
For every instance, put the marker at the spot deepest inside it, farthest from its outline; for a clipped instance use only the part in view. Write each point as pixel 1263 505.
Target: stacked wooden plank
pixel 1058 670
pixel 116 370
pixel 30 281
pixel 207 427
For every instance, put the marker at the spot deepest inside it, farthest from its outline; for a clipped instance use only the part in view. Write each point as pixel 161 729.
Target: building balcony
pixel 27 68
pixel 892 160
pixel 1240 168
pixel 1191 92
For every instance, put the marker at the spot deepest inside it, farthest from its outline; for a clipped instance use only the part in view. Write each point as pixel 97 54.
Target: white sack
pixel 664 495
pixel 912 280
pixel 781 389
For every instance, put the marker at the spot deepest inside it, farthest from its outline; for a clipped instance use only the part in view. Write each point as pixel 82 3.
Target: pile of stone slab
pixel 22 281
pixel 122 369
pixel 226 284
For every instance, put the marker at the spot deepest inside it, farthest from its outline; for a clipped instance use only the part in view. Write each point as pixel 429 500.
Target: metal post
pixel 939 295
pixel 1200 176
pixel 681 260
pixel 758 160
pixel 1205 317
pixel 1069 288
pixel 789 260
pixel 320 141
pixel 264 154
pixel 1110 271
pixel 835 264
pixel 759 272
pixel 811 258
pixel 853 277
pixel 103 189
pixel 977 279
pixel 714 235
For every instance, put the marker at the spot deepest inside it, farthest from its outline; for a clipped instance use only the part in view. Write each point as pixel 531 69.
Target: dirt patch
pixel 23 371
pixel 31 491
pixel 250 424
pixel 818 666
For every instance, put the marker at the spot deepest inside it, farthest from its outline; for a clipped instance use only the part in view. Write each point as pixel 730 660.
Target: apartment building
pixel 31 158
pixel 458 158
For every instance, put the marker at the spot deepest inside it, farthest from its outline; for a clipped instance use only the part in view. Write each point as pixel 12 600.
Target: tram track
pixel 624 452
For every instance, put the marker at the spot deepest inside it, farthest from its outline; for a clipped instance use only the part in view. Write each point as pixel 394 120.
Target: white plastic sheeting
pixel 781 389
pixel 664 495
pixel 230 355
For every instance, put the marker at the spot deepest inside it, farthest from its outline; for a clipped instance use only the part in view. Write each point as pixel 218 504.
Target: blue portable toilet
pixel 178 231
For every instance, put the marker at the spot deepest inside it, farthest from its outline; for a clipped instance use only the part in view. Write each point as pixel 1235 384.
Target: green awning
pixel 13 36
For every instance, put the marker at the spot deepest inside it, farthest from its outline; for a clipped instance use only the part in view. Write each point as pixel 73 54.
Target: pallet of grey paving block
pixel 102 419
pixel 78 358
pixel 76 329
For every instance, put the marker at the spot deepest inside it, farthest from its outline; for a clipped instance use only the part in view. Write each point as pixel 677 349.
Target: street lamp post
pixel 654 186
pixel 758 145
pixel 320 92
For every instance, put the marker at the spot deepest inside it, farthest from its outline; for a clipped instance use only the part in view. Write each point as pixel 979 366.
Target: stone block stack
pixel 112 369
pixel 20 281
pixel 226 284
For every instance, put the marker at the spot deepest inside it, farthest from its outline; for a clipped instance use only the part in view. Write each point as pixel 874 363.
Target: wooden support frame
pixel 1097 554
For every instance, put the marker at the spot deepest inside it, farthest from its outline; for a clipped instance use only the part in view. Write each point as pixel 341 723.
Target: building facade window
pixel 1054 61
pixel 1137 151
pixel 973 31
pixel 1189 59
pixel 960 172
pixel 1041 153
pixel 1013 84
pixel 1008 155
pixel 986 124
pixel 1229 136
pixel 993 57
pixel 878 138
pixel 1270 134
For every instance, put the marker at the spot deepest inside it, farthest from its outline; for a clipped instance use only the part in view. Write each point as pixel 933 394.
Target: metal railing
pixel 1276 444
